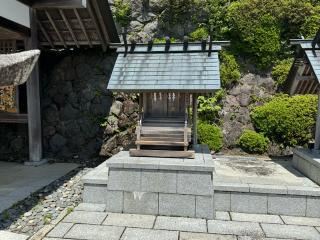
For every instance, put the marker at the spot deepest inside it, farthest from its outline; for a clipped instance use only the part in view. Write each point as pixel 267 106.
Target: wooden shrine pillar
pixel 317 133
pixel 195 117
pixel 33 102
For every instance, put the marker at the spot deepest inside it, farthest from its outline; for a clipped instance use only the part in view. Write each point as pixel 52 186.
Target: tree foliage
pixel 209 107
pixel 229 69
pixel 287 120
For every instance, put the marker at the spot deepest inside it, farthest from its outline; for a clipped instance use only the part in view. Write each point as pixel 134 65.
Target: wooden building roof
pixel 157 69
pixel 304 76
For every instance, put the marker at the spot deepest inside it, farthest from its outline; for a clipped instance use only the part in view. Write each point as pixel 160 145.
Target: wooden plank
pixel 33 99
pixel 13 118
pixel 82 27
pixel 160 143
pixel 66 4
pixel 161 153
pixel 44 32
pixel 101 20
pixel 69 27
pixel 93 17
pixel 55 28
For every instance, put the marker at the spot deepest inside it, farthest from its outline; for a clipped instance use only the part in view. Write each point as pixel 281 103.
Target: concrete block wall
pixel 160 192
pixel 279 204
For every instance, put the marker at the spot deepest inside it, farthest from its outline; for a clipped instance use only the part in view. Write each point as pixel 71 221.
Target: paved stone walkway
pixel 91 222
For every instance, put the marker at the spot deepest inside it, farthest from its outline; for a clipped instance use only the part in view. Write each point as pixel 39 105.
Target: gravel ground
pixel 43 206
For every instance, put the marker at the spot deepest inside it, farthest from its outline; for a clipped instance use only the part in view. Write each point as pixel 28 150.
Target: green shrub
pixel 199 34
pixel 287 120
pixel 122 12
pixel 253 142
pixel 281 70
pixel 210 135
pixel 229 69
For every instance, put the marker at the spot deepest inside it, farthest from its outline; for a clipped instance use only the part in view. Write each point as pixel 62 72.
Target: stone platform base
pixel 307 162
pixel 157 186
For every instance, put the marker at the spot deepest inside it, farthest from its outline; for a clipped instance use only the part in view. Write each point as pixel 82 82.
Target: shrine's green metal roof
pixel 176 70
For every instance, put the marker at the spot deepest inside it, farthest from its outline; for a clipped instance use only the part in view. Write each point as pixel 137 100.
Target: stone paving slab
pixel 205 236
pixel 301 221
pixel 130 220
pixel 5 235
pixel 290 231
pixel 181 224
pixel 91 207
pixel 60 230
pixel 95 232
pixel 261 218
pixel 235 228
pixel 85 217
pixel 222 216
pixel 148 234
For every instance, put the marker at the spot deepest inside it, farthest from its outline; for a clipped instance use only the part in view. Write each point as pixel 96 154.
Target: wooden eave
pixel 73 23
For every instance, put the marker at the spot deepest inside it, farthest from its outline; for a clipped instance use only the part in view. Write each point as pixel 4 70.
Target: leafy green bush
pixel 209 107
pixel 210 135
pixel 253 142
pixel 286 120
pixel 122 12
pixel 281 70
pixel 199 34
pixel 229 69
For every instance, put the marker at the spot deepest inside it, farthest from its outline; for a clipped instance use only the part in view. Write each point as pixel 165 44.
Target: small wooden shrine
pixel 168 78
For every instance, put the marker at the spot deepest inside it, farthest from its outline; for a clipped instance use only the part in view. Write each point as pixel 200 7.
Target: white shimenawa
pixel 15 68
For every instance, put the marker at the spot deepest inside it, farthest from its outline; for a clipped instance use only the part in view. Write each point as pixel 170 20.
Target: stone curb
pixel 46 229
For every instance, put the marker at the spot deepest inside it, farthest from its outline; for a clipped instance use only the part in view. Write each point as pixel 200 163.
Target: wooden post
pixel 195 116
pixel 317 133
pixel 33 102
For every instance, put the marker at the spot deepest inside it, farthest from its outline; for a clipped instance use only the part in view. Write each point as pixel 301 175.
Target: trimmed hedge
pixel 210 135
pixel 253 142
pixel 287 120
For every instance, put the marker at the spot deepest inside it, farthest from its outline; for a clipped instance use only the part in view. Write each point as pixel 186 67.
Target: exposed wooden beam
pixel 55 28
pixel 81 43
pixel 44 32
pixel 15 27
pixel 66 4
pixel 82 27
pixel 69 27
pixel 92 15
pixel 100 18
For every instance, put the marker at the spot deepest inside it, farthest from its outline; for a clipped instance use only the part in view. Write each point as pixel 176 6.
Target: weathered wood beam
pixel 92 15
pixel 33 100
pixel 101 21
pixel 55 28
pixel 44 32
pixel 69 27
pixel 82 27
pixel 195 117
